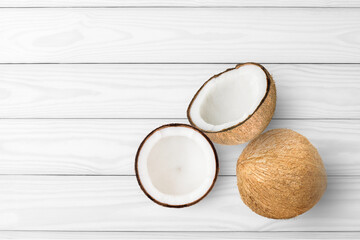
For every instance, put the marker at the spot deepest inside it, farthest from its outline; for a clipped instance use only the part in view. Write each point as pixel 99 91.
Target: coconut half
pixel 176 165
pixel 234 106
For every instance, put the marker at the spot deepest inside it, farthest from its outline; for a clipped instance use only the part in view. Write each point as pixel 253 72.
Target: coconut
pixel 234 106
pixel 176 165
pixel 280 174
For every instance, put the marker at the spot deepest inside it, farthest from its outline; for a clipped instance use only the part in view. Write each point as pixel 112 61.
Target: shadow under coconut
pixel 228 156
pixel 333 199
pixel 336 210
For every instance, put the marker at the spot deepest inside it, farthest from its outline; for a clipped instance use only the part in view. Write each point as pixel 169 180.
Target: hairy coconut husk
pixel 280 174
pixel 251 127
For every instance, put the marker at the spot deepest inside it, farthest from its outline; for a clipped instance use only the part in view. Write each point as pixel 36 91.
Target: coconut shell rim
pixel 268 78
pixel 138 175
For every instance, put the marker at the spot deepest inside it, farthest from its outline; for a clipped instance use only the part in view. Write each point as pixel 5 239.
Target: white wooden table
pixel 82 82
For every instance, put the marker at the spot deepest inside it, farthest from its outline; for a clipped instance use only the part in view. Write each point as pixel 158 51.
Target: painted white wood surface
pixel 37 198
pixel 117 203
pixel 36 235
pixel 108 147
pixel 201 35
pixel 177 3
pixel 165 90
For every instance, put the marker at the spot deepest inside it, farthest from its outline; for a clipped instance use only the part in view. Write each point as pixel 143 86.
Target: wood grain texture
pixel 176 3
pixel 165 90
pixel 35 235
pixel 117 204
pixel 211 35
pixel 108 147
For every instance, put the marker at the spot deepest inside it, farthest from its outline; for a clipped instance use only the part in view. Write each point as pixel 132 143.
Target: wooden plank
pixel 108 147
pixel 176 3
pixel 35 235
pixel 165 90
pixel 201 35
pixel 117 204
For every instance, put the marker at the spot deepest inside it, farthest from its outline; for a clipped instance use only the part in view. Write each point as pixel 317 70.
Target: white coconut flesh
pixel 176 165
pixel 229 99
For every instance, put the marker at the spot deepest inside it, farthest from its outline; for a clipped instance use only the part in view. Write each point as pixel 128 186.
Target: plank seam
pixel 131 175
pixel 175 119
pixel 113 231
pixel 172 63
pixel 181 7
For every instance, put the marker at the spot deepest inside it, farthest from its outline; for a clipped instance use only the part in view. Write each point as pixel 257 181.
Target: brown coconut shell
pixel 253 125
pixel 280 174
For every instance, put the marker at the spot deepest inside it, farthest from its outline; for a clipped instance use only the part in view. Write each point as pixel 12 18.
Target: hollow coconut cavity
pixel 234 106
pixel 176 165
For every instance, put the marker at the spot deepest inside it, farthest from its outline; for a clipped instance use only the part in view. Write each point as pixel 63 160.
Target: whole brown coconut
pixel 280 174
